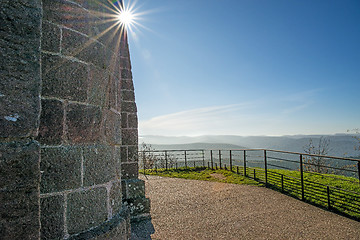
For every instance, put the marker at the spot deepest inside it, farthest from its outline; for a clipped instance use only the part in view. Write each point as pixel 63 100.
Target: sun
pixel 125 17
pixel 125 14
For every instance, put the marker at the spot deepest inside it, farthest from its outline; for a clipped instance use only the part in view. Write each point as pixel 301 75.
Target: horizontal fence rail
pixel 296 174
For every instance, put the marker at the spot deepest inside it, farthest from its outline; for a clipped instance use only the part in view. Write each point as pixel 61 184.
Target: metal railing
pixel 167 159
pixel 339 189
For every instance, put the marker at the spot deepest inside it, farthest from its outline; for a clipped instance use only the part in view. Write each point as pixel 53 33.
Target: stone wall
pixel 19 119
pixel 68 117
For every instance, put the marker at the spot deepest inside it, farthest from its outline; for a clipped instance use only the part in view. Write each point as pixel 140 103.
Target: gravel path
pixel 188 209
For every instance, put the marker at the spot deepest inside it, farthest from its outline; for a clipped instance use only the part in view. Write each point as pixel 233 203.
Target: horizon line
pixel 236 135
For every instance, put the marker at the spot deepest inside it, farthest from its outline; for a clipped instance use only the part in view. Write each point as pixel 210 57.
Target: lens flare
pixel 126 18
pixel 116 19
pixel 126 14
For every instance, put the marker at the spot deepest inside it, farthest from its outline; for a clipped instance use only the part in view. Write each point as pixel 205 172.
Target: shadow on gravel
pixel 142 230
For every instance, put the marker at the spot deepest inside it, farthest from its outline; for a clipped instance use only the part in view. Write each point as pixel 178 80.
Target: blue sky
pixel 247 67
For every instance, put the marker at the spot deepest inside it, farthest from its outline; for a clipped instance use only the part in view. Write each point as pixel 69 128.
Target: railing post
pixel 220 158
pixel 328 196
pixel 231 169
pixel 244 163
pixel 302 178
pixel 266 172
pixel 203 157
pixel 237 169
pixel 166 161
pixel 254 174
pixel 282 183
pixel 185 159
pixel 144 161
pixel 211 158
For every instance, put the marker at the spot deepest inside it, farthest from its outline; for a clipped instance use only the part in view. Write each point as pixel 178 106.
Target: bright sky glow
pixel 127 14
pixel 247 67
pixel 126 17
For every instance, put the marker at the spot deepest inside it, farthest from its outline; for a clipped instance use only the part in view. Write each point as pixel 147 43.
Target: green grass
pixel 203 174
pixel 344 192
pixel 338 181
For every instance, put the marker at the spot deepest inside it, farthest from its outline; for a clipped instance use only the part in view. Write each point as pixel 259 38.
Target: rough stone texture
pixel 125 62
pixel 64 78
pixel 19 164
pixel 127 95
pixel 113 127
pixel 84 123
pixel 127 74
pixel 116 197
pixel 81 72
pixel 66 13
pixel 50 39
pixel 128 107
pixel 60 169
pixel 134 197
pixel 19 190
pixel 84 48
pixel 19 68
pixel 124 154
pixel 127 84
pixel 130 136
pixel 86 209
pixel 99 165
pixel 117 228
pixel 142 229
pixel 19 119
pixel 135 189
pixel 138 206
pixel 132 121
pixel 52 217
pixel 51 122
pixel 117 156
pixel 133 153
pixel 129 120
pixel 129 154
pixel 114 93
pixel 97 89
pixel 121 232
pixel 129 170
pixel 124 120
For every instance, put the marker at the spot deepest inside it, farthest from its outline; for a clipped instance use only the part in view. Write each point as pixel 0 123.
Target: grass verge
pixel 205 174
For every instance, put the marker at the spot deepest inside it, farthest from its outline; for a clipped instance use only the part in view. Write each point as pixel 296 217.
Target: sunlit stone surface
pixel 68 123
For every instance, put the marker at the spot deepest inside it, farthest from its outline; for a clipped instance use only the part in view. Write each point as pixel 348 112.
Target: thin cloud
pixel 296 108
pixel 208 120
pixel 299 101
pixel 303 96
pixel 271 116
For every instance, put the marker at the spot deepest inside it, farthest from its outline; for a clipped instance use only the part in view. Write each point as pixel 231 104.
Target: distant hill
pixel 340 145
pixel 188 146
